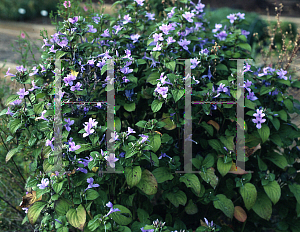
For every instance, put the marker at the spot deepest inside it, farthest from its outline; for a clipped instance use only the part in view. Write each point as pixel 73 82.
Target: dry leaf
pixel 29 199
pixel 237 170
pixel 214 124
pixel 240 214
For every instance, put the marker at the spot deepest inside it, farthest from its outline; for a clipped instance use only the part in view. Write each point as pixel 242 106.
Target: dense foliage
pixel 149 82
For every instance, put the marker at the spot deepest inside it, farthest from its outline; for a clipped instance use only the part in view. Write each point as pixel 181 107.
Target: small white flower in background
pixel 22 11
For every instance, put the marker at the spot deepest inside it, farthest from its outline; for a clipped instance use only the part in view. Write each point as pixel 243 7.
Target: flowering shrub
pixel 147 194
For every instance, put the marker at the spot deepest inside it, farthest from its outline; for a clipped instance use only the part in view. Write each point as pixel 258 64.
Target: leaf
pixel 62 206
pixel 162 174
pixel 240 214
pixel 288 104
pixel 171 65
pixel 228 142
pixel 276 123
pixel 129 107
pixel 191 181
pixel 118 124
pixel 177 94
pixel 263 206
pixel 264 132
pixel 237 170
pixel 295 189
pixel 214 124
pixel 133 175
pixel 191 208
pixel 155 142
pixel 122 217
pixel 208 128
pixel 11 153
pixel 277 159
pixel 38 108
pixel 148 183
pixel 273 191
pixel 225 205
pixel 35 210
pixel 209 177
pixel 223 167
pixel 264 90
pixel 249 195
pixel 60 54
pixel 91 194
pixel 156 105
pixel 177 198
pixel 221 67
pixel 245 46
pixel 208 161
pixel 14 125
pixel 77 217
pixel 170 125
pixel 57 186
pixel 143 216
pixel 153 78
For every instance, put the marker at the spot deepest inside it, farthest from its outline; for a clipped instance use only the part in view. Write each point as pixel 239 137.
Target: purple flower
pixel 281 73
pixel 106 33
pixel 35 71
pixel 222 88
pixel 16 102
pixel 135 37
pixel 42 116
pixel 157 37
pixel 150 16
pixel 188 16
pixel 200 6
pixel 163 155
pixel 259 113
pixel 22 93
pixel 130 131
pixel 82 170
pixel 247 85
pixel 217 28
pixel 194 63
pixel 208 74
pixel 122 154
pixel 117 28
pixel 140 2
pixel 76 87
pixel 144 138
pixel 96 19
pixel 127 19
pixel 221 36
pixel 171 13
pixel 33 86
pixel 73 20
pixel 111 210
pixel 91 185
pixel 21 68
pixel 69 79
pixel 44 183
pixel 111 160
pixel 232 17
pixel 69 123
pixel 63 42
pixel 92 29
pixel 245 33
pixel 72 146
pixel 9 74
pixel 88 127
pixel 170 40
pixel 251 96
pixel 240 15
pixel 152 59
pixel 183 43
pixel 49 143
pixel 161 90
pixel 247 68
pixel 209 224
pixel 163 79
pixel 150 230
pixel 128 54
pixel 157 47
pixel 126 70
pixel 129 93
pixel 265 72
pixel 101 63
pixel 165 28
pixel 52 49
pixel 9 112
pixel 58 221
pixel 258 122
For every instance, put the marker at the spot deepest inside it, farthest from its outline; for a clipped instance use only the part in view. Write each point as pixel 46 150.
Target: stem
pixel 11 206
pixel 244 224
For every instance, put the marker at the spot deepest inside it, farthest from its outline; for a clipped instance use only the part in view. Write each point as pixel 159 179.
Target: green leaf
pixel 177 198
pixel 295 189
pixel 277 159
pixel 62 206
pixel 14 125
pixel 141 124
pixel 249 195
pixel 264 132
pixel 245 46
pixel 57 186
pixel 122 217
pixel 177 94
pixel 103 69
pixel 77 217
pixel 118 124
pixel 59 54
pixel 35 210
pixel 263 206
pixel 148 183
pixel 223 167
pixel 209 176
pixel 133 175
pixel 273 191
pixel 170 125
pixel 215 144
pixel 221 67
pixel 155 142
pixel 228 142
pixel 191 208
pixel 141 61
pixel 261 164
pixel 171 65
pixel 208 128
pixel 153 78
pixel 38 108
pixel 276 123
pixel 249 104
pixel 156 105
pixel 143 216
pixel 129 107
pixel 162 174
pixel 91 194
pixel 11 153
pixel 208 161
pixel 282 114
pixel 288 104
pixel 225 205
pixel 191 181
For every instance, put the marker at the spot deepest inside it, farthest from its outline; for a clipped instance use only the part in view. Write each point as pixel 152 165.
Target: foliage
pixel 148 194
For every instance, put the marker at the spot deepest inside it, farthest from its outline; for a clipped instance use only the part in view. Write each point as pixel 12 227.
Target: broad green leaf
pixel 143 216
pixel 228 142
pixel 156 105
pixel 117 124
pixel 177 94
pixel 62 206
pixel 221 67
pixel 295 189
pixel 162 174
pixel 57 186
pixel 277 159
pixel 191 208
pixel 263 206
pixel 60 54
pixel 38 108
pixel 153 78
pixel 273 191
pixel 191 181
pixel 133 175
pixel 264 90
pixel 130 107
pixel 225 205
pixel 208 128
pixel 77 217
pixel 14 125
pixel 288 104
pixel 155 142
pixel 223 167
pixel 170 125
pixel 264 132
pixel 91 194
pixel 215 144
pixel 148 183
pixel 245 46
pixel 261 164
pixel 122 217
pixel 209 176
pixel 171 65
pixel 208 161
pixel 178 198
pixel 249 195
pixel 11 153
pixel 35 210
pixel 276 123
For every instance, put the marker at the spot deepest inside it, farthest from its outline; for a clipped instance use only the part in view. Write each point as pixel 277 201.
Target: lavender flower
pixel 183 43
pixel 91 29
pixel 22 93
pixel 44 183
pixel 111 160
pixel 251 96
pixel 221 36
pixel 76 87
pixel 91 185
pixel 33 86
pixel 150 16
pixel 188 16
pixel 73 20
pixel 232 17
pixel 127 19
pixel 111 210
pixel 259 118
pixel 163 155
pixel 42 116
pixel 69 123
pixel 281 73
pixel 9 74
